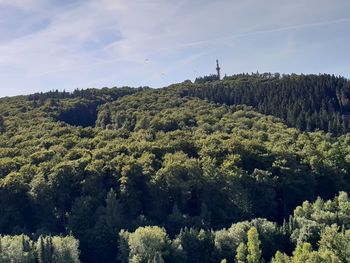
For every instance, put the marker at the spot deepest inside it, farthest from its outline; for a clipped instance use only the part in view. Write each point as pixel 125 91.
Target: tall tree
pixel 241 253
pixel 253 246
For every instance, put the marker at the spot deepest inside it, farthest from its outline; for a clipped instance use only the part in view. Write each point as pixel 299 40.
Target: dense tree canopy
pixel 308 102
pixel 105 165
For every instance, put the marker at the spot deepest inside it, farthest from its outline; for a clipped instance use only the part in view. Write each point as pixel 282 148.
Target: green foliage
pixel 271 236
pixel 332 241
pixel 308 102
pixel 148 244
pixel 16 249
pixel 197 246
pixel 177 161
pixel 335 244
pixel 241 253
pixel 2 124
pixel 204 79
pixel 311 218
pixel 45 250
pixel 114 218
pixel 281 258
pixel 65 249
pixel 253 246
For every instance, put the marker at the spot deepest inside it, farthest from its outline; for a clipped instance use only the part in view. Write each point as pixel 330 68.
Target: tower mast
pixel 218 69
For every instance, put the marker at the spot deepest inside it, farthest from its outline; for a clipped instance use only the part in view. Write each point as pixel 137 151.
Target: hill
pixel 186 159
pixel 308 102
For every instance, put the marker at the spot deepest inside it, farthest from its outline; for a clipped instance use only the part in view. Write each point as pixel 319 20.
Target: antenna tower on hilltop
pixel 218 69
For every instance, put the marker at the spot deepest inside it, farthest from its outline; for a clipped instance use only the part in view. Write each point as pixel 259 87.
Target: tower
pixel 218 69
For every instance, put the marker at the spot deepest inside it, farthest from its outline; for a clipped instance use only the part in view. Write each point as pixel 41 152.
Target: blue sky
pixel 68 44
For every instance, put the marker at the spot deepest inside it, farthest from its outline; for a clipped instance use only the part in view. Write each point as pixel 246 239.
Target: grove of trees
pixel 45 249
pixel 188 173
pixel 308 102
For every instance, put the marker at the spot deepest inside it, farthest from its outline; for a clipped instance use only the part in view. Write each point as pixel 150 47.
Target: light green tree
pixel 65 249
pixel 281 258
pixel 253 246
pixel 148 244
pixel 16 249
pixel 302 253
pixel 241 253
pixel 338 243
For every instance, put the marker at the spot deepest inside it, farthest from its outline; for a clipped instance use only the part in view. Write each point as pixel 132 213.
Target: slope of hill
pixel 94 163
pixel 308 102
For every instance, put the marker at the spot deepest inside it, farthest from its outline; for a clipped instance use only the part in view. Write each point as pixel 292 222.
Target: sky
pixel 68 44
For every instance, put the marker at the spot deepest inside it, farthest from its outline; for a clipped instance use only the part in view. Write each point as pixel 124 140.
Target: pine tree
pixel 113 212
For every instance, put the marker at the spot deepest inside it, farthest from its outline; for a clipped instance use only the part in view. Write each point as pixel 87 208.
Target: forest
pixel 252 168
pixel 307 102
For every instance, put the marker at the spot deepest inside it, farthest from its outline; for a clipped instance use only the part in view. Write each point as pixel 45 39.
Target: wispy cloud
pixel 260 32
pixel 61 43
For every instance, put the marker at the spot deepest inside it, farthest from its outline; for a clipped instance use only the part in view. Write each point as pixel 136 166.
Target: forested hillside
pixel 308 102
pixel 186 173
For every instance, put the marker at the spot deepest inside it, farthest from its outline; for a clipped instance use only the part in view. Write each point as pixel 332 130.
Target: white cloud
pixel 171 35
